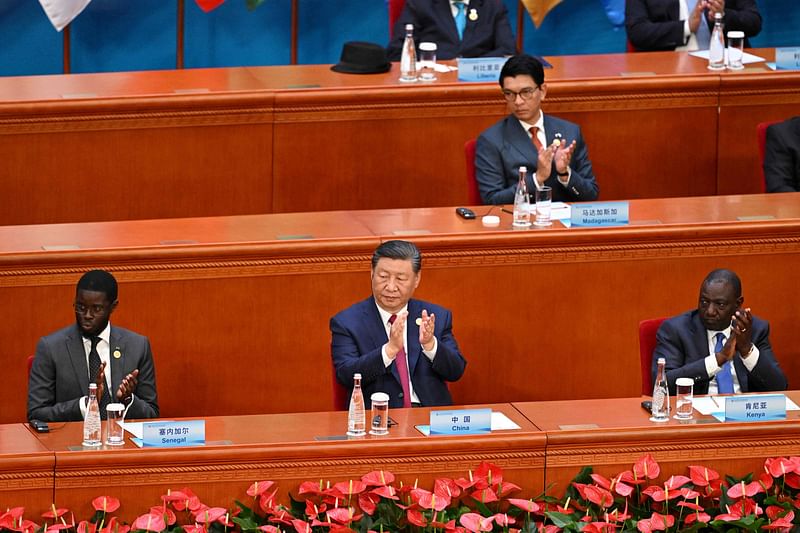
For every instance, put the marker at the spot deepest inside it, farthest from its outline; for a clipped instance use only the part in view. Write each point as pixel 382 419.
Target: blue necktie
pixel 724 378
pixel 461 19
pixel 702 34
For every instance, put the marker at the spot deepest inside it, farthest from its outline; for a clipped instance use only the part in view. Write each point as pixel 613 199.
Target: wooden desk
pixel 287 449
pixel 255 140
pixel 239 321
pixel 611 435
pixel 26 471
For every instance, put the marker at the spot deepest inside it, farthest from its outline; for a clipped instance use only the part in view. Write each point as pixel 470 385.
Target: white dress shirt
pixel 711 362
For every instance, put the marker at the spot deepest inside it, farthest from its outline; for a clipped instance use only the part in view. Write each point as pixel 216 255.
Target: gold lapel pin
pixel 117 354
pixel 473 15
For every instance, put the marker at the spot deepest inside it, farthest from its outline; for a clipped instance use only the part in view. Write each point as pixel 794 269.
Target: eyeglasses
pixel 94 309
pixel 526 93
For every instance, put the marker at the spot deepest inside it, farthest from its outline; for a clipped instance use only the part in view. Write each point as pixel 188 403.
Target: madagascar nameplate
pixel 755 408
pixel 600 214
pixel 461 422
pixel 787 58
pixel 169 434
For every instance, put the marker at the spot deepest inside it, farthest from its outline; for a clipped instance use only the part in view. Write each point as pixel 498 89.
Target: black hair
pixel 399 250
pixel 725 276
pixel 523 65
pixel 99 281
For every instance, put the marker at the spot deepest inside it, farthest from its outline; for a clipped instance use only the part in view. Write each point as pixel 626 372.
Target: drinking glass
pixel 683 399
pixel 735 50
pixel 380 414
pixel 427 61
pixel 115 435
pixel 544 197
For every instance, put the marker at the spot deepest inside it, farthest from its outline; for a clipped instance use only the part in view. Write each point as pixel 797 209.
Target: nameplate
pixel 600 214
pixel 755 408
pixel 787 58
pixel 461 422
pixel 172 434
pixel 480 68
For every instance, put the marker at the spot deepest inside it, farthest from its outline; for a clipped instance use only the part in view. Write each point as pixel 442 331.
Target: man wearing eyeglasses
pixel 550 148
pixel 92 350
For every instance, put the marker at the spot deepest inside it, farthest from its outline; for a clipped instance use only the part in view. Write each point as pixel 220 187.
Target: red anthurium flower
pixel 660 522
pixel 702 476
pixel 85 526
pixel 107 504
pixel 55 513
pixel 646 468
pixel 301 527
pixel 690 505
pixel 616 516
pixel 282 517
pixel 659 494
pixel 28 526
pixel 429 500
pixel 259 487
pixel 169 516
pixel 502 519
pixel 765 480
pixel 792 479
pixel 387 492
pixel 183 500
pixel 774 512
pixel 546 529
pixel 266 501
pixel 113 526
pixel 507 488
pixel 779 466
pixel 313 510
pixel 689 494
pixel 782 523
pixel 614 484
pixel 741 489
pixel 342 515
pixel 475 522
pixel 415 517
pixel 447 526
pixel 212 514
pixel 488 474
pixel 529 506
pixel 58 527
pixel 697 517
pixel 309 487
pixel 628 477
pixel 368 502
pixel 348 488
pixel 676 482
pixel 485 495
pixel 378 478
pixel 267 529
pixel 599 527
pixel 446 487
pixel 149 522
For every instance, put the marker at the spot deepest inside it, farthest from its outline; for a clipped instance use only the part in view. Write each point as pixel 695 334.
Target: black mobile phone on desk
pixel 647 405
pixel 40 426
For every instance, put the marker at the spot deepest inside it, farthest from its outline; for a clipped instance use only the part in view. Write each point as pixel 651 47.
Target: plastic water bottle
pixel 91 424
pixel 522 202
pixel 408 59
pixel 660 409
pixel 356 417
pixel 716 48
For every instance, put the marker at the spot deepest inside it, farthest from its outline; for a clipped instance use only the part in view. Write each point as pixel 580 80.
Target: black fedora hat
pixel 362 58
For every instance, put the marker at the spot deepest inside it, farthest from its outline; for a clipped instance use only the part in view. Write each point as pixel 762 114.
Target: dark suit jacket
pixel 358 335
pixel 782 156
pixel 683 342
pixel 506 146
pixel 487 36
pixel 60 376
pixel 654 24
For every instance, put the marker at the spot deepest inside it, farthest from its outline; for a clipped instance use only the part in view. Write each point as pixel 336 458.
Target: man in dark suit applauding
pixel 550 148
pixel 782 156
pixel 118 360
pixel 460 28
pixel 720 345
pixel 400 346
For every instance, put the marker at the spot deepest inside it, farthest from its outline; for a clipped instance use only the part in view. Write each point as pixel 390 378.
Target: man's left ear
pixel 739 301
pixel 113 306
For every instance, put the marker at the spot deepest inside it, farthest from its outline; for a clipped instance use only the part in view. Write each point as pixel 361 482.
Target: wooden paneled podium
pixel 553 442
pixel 253 140
pixel 237 308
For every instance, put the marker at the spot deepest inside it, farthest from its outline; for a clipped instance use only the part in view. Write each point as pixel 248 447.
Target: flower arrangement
pixel 629 501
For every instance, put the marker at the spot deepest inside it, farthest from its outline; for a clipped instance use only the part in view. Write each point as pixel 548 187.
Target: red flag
pixel 208 5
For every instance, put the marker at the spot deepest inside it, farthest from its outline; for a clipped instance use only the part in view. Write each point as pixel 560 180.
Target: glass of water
pixel 427 61
pixel 114 432
pixel 544 198
pixel 683 399
pixel 380 414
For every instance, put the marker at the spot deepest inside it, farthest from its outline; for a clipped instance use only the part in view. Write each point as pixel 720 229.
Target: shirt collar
pixel 104 335
pixel 465 2
pixel 712 335
pixel 538 124
pixel 386 315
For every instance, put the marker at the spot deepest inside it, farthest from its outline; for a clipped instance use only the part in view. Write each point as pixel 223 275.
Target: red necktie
pixel 534 130
pixel 402 369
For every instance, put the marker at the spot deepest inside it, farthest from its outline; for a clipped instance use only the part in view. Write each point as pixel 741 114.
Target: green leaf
pixel 252 4
pixel 560 519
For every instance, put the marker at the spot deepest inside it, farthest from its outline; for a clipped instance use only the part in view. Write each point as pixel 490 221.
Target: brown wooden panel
pixel 287 449
pixel 26 471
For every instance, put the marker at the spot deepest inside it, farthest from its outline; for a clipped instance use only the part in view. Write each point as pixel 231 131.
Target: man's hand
pixel 563 156
pixel 728 351
pixel 100 380
pixel 544 164
pixel 743 331
pixel 695 17
pixel 426 329
pixel 396 343
pixel 128 385
pixel 714 6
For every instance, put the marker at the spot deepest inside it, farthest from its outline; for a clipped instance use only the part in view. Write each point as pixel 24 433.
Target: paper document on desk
pixel 558 210
pixel 438 67
pixel 137 428
pixel 746 58
pixel 715 406
pixel 499 421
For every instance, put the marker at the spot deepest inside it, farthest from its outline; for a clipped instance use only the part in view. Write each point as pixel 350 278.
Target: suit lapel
pixel 699 338
pixel 445 19
pixel 77 357
pixel 517 139
pixel 470 27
